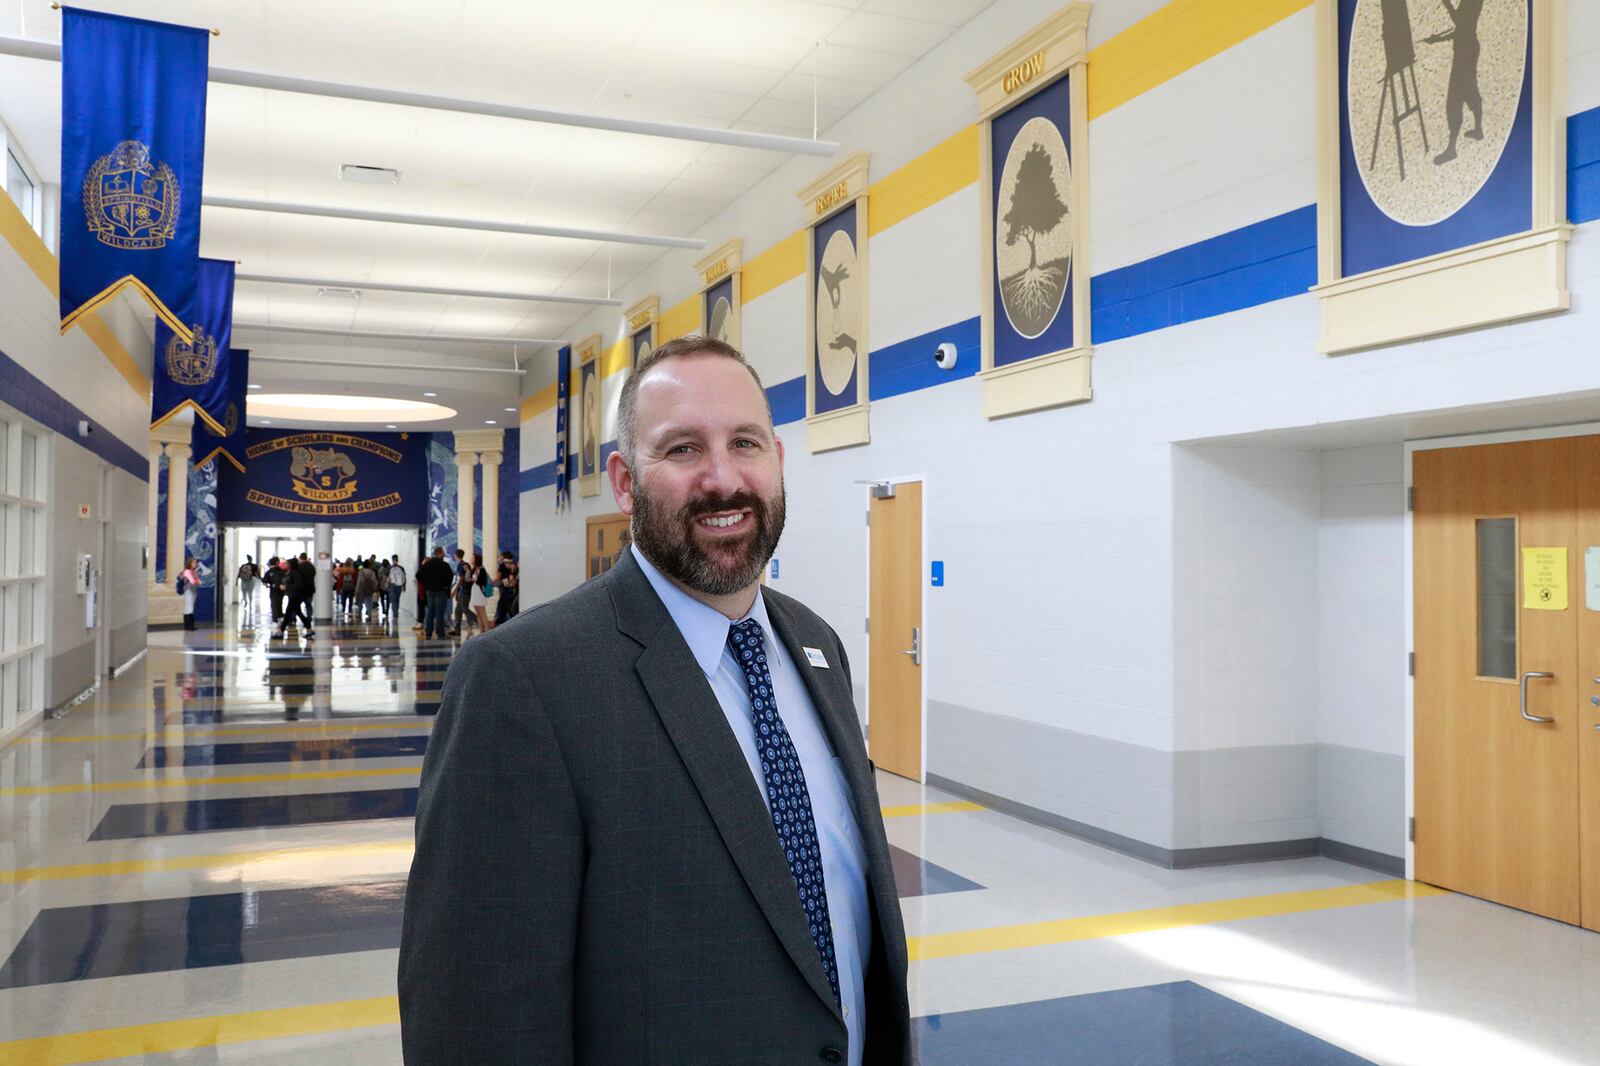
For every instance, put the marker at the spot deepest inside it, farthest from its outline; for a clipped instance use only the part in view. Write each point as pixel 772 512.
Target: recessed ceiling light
pixel 511 410
pixel 252 386
pixel 430 394
pixel 490 422
pixel 368 175
pixel 391 427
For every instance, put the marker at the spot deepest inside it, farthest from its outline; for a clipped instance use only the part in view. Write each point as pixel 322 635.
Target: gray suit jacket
pixel 597 879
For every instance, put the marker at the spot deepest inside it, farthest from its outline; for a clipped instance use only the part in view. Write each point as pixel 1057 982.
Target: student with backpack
pixel 396 589
pixel 188 584
pixel 249 578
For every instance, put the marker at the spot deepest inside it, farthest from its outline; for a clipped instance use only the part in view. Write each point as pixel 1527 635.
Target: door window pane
pixel 1497 597
pixel 30 466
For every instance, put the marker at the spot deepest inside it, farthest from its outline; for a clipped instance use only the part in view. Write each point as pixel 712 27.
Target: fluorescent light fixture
pixel 252 386
pixel 430 394
pixel 391 427
pixel 329 407
pixel 339 290
pixel 511 410
pixel 366 175
pixel 490 422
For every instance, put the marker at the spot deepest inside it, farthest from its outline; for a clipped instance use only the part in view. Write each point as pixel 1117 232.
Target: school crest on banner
pixel 193 372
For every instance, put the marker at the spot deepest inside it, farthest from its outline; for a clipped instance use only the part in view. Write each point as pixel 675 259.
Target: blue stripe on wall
pixel 787 400
pixel 908 365
pixel 50 409
pixel 1264 261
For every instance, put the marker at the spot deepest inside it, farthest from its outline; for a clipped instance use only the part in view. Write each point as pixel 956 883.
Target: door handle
pixel 1524 688
pixel 916 646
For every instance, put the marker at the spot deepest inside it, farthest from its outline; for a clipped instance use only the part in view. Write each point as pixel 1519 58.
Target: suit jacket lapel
pixel 835 703
pixel 694 721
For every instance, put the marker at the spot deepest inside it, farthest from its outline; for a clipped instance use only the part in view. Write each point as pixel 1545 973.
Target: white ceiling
pixel 743 64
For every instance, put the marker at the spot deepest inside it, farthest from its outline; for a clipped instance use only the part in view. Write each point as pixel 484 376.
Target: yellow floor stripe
pixel 30 874
pixel 1099 926
pixel 313 728
pixel 914 809
pixel 197 782
pixel 97 1045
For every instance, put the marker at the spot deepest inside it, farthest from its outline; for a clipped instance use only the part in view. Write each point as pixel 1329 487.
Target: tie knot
pixel 746 635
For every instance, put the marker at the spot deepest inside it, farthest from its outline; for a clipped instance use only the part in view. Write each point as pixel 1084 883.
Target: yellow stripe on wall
pixel 32 250
pixel 1155 919
pixel 1173 39
pixel 923 182
pixel 97 1045
pixel 782 262
pixel 679 320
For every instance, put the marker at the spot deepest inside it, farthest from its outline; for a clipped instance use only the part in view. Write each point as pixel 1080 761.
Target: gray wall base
pixel 1177 858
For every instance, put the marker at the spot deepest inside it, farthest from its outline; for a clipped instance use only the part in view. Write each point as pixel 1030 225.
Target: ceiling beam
pixel 483 294
pixel 772 142
pixel 442 338
pixel 526 229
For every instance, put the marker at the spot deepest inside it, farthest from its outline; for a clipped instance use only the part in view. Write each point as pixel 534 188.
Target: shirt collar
pixel 704 629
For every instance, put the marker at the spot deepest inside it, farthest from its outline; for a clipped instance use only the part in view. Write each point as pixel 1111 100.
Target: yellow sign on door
pixel 1544 579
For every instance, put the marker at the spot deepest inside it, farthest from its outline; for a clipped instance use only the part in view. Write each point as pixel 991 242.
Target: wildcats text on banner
pixel 133 131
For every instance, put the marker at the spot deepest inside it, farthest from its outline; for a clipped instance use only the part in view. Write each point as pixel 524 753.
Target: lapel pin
pixel 814 657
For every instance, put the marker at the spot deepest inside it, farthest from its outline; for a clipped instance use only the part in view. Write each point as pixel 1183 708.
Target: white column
pixel 465 461
pixel 322 599
pixel 155 500
pixel 177 508
pixel 491 508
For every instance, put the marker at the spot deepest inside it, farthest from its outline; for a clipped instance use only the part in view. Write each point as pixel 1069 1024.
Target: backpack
pixel 246 570
pixel 397 577
pixel 182 584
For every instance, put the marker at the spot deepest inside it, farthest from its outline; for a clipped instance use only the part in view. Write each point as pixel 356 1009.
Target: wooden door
pixel 606 538
pixel 894 612
pixel 1496 794
pixel 1587 466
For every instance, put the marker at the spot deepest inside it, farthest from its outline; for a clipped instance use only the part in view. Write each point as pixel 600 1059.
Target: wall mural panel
pixel 1436 127
pixel 200 539
pixel 590 431
pixel 1030 157
pixel 719 311
pixel 838 311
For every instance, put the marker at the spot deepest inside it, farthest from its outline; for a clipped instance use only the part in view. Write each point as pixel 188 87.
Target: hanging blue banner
pixel 229 445
pixel 192 374
pixel 563 387
pixel 133 145
pixel 297 476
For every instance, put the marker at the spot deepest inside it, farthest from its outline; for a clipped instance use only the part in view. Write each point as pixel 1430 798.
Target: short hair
pixel 693 344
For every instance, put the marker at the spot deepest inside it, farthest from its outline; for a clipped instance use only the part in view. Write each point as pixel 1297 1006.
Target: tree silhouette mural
pixel 1036 209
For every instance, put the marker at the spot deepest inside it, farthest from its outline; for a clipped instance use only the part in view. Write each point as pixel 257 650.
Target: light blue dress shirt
pixel 844 857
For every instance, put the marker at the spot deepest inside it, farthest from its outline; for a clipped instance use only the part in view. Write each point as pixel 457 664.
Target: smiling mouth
pixel 730 521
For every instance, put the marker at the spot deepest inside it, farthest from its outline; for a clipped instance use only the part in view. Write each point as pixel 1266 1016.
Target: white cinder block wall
pixel 71 366
pixel 1183 644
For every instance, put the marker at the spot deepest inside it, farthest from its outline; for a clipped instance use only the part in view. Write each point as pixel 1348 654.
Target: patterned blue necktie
pixel 787 796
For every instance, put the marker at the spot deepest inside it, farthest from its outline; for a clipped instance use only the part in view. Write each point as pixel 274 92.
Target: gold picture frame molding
pixel 1519 276
pixel 835 190
pixel 1055 48
pixel 723 261
pixel 585 352
pixel 643 315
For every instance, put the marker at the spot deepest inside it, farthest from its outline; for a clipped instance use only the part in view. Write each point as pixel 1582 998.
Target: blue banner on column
pixel 133 141
pixel 230 445
pixel 348 478
pixel 192 374
pixel 563 387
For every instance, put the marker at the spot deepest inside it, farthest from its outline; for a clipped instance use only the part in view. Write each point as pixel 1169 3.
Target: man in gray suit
pixel 648 830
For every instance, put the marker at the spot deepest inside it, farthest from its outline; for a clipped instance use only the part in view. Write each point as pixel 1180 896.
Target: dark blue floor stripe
pixel 125 821
pixel 914 876
pixel 1178 1024
pixel 302 751
pixel 158 935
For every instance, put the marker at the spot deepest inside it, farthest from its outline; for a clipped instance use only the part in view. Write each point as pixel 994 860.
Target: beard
pixel 667 539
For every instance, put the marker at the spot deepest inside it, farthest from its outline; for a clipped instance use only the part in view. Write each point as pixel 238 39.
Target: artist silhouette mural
pixel 1416 70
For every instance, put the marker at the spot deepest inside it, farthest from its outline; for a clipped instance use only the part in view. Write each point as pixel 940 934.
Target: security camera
pixel 944 356
pixel 85 427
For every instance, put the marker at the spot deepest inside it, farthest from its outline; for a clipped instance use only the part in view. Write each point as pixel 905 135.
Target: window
pixel 1497 597
pixel 22 189
pixel 23 544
